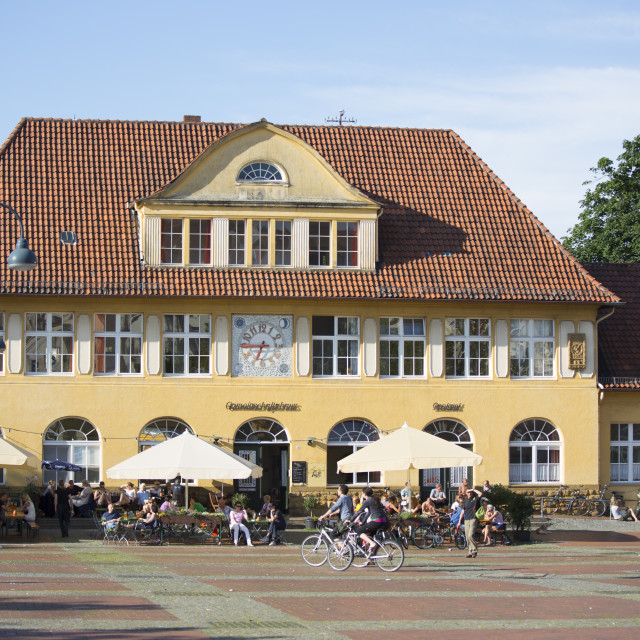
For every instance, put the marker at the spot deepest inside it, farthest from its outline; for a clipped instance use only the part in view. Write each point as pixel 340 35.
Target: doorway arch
pixel 265 442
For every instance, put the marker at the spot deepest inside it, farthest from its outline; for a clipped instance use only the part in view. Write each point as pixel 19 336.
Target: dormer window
pixel 260 172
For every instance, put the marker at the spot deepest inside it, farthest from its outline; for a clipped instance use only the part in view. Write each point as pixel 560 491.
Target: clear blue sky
pixel 540 90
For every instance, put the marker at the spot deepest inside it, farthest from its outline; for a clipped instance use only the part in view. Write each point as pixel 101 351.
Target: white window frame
pixel 283 255
pixel 196 250
pixel 172 337
pixel 237 242
pixel 468 340
pixel 530 347
pixel 167 240
pixel 352 435
pixel 541 437
pixel 81 440
pixel 628 448
pixel 260 236
pixel 330 347
pixel 318 238
pixel 119 336
pixel 51 337
pixel 346 232
pixel 390 334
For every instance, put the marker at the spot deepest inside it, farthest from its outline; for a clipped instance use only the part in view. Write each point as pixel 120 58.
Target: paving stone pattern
pixel 569 584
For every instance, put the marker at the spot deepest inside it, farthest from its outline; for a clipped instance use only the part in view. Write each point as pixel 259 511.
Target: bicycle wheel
pixel 598 508
pixel 389 556
pixel 340 556
pixel 360 558
pixel 555 506
pixel 424 537
pixel 314 550
pixel 584 507
pixel 461 540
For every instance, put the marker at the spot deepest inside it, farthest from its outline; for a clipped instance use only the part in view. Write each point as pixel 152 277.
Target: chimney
pixel 191 119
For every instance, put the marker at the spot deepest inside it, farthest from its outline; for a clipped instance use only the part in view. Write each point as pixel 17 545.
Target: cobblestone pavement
pixel 569 584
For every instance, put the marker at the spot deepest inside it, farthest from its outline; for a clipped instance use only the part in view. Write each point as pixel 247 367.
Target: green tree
pixel 609 225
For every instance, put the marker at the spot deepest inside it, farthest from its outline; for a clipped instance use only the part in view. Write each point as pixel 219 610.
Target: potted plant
pixel 309 502
pixel 521 508
pixel 242 498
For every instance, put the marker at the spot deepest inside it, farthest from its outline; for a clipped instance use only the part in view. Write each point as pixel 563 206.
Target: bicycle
pixel 315 548
pixel 576 502
pixel 400 531
pixel 596 506
pixel 387 554
pixel 429 535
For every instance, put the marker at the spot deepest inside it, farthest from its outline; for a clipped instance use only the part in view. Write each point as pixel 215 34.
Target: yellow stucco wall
pixel 119 407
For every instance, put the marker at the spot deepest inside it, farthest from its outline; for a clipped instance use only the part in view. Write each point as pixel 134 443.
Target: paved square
pixel 572 586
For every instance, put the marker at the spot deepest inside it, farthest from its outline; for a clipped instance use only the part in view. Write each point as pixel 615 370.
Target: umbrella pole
pixel 186 493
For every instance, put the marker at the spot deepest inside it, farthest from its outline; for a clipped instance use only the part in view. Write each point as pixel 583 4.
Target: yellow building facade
pixel 292 294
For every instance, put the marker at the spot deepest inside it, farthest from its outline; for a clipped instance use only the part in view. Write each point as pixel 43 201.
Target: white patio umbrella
pixel 405 449
pixel 188 456
pixel 11 455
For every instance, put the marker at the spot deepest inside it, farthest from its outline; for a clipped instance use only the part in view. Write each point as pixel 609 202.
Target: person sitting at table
pixel 277 523
pixel 428 508
pixel 46 499
pixel 74 489
pixel 101 496
pixel 462 491
pixel 127 495
pixel 495 522
pixel 28 508
pixel 223 507
pixel 454 518
pixel 196 506
pixel 82 502
pixel 392 506
pixel 155 489
pixel 149 519
pixel 480 513
pixel 236 524
pixel 165 505
pixel 437 496
pixel 265 509
pixel 142 494
pixel 110 517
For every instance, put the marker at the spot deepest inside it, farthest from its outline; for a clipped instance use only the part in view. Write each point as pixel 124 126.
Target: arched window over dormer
pixel 260 172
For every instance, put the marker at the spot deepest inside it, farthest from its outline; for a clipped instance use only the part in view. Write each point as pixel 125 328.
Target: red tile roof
pixel 450 230
pixel 619 334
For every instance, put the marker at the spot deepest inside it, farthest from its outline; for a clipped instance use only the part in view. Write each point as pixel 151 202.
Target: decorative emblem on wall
pixel 261 346
pixel 577 351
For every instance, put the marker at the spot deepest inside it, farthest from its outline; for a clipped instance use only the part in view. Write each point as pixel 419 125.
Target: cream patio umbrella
pixel 11 455
pixel 188 456
pixel 408 448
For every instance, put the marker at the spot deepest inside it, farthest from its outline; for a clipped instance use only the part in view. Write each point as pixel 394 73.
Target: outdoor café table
pixel 258 528
pixel 193 527
pixel 14 519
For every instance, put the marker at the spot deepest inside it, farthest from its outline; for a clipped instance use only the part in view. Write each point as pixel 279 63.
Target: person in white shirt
pixel 437 497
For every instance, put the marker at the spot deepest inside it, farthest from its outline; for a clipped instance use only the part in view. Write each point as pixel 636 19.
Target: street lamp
pixel 21 258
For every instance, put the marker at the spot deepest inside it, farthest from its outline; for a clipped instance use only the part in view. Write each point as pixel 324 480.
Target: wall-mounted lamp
pixel 311 441
pixel 21 258
pixel 216 440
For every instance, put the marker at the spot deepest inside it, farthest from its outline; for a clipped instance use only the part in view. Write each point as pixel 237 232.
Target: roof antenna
pixel 341 119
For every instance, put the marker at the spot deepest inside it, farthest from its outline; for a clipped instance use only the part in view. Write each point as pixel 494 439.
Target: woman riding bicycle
pixel 374 516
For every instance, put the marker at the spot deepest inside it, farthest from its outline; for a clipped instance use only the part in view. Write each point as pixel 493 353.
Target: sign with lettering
pixel 299 471
pixel 577 351
pixel 448 407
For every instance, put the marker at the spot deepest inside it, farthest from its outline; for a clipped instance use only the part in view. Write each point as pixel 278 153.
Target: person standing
pixel 62 506
pixel 470 505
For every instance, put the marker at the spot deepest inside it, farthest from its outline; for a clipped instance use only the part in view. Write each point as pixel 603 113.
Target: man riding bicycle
pixel 343 507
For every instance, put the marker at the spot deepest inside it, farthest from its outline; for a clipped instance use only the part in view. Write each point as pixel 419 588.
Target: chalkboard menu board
pixel 299 472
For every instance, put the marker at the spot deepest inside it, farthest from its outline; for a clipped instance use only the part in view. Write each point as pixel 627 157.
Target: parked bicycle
pixel 573 505
pixel 436 532
pixel 597 505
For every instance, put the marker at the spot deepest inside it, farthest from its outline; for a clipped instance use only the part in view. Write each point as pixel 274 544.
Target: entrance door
pixel 266 443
